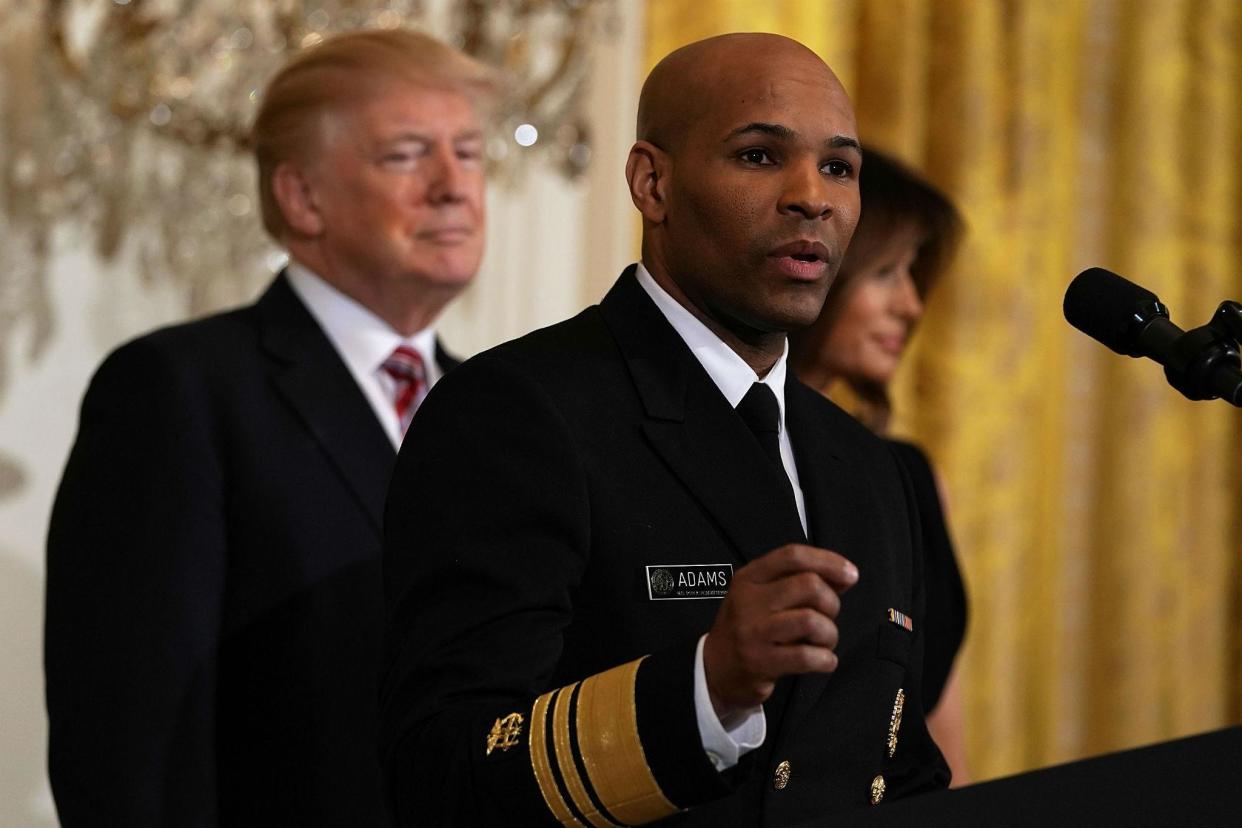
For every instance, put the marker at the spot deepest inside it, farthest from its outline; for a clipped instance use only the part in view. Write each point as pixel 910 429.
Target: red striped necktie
pixel 409 378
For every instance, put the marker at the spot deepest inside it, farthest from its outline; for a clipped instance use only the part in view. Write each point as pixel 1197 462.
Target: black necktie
pixel 762 415
pixel 760 411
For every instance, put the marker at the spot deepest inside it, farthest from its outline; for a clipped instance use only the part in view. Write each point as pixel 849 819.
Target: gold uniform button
pixel 877 789
pixel 781 777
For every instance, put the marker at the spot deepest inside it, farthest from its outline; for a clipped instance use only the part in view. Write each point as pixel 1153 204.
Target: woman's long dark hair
pixel 893 198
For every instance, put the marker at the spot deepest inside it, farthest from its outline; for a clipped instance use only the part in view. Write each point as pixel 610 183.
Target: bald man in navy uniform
pixel 636 572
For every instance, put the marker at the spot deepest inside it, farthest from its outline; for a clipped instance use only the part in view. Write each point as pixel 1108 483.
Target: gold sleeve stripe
pixel 565 759
pixel 611 751
pixel 543 769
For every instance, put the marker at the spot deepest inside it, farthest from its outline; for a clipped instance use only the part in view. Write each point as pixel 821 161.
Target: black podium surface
pixel 1195 781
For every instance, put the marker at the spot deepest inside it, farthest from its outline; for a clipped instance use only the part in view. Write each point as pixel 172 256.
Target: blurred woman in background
pixel 906 234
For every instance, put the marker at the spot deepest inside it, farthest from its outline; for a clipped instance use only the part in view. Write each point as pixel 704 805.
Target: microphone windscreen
pixel 1107 307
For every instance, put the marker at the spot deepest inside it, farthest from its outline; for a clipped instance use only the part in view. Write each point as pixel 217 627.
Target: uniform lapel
pixel 695 430
pixel 831 484
pixel 834 483
pixel 314 381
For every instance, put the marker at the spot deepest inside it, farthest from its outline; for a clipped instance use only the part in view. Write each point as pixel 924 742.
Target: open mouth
pixel 803 260
pixel 803 250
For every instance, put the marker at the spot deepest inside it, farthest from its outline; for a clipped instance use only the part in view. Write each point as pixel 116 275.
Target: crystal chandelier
pixel 129 118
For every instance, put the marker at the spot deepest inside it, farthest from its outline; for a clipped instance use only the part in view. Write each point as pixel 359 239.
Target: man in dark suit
pixel 635 572
pixel 213 595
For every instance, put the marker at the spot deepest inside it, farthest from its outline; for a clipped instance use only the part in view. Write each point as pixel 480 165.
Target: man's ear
pixel 647 171
pixel 296 198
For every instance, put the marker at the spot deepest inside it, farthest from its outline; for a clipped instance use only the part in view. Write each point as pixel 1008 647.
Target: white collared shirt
pixel 731 374
pixel 728 370
pixel 363 341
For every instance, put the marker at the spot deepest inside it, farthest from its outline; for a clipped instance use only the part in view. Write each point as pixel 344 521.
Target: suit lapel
pixel 695 431
pixel 444 360
pixel 317 385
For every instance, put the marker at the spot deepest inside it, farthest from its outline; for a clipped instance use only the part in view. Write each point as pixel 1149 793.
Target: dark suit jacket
pixel 213 593
pixel 566 463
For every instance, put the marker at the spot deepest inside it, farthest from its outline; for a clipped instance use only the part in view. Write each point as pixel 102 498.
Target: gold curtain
pixel 1096 511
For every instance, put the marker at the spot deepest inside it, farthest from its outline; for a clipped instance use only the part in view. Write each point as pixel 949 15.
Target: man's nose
pixel 807 193
pixel 446 177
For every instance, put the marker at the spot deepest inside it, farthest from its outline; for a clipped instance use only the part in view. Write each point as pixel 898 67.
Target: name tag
pixel 687 582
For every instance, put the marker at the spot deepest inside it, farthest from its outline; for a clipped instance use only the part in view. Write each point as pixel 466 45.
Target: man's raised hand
pixel 778 619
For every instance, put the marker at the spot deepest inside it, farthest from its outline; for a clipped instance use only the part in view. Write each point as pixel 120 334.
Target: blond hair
pixel 340 71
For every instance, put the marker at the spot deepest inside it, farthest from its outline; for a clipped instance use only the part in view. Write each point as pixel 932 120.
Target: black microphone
pixel 1202 363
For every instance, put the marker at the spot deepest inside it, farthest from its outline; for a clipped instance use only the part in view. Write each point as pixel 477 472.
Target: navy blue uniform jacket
pixel 537 484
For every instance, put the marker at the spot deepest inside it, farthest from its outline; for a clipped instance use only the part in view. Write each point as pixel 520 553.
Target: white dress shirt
pixel 728 370
pixel 734 377
pixel 363 341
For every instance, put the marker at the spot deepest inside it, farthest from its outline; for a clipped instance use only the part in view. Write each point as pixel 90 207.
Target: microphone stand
pixel 1202 363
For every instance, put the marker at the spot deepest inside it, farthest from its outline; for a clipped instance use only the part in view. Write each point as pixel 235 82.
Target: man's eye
pixel 756 156
pixel 838 169
pixel 402 155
